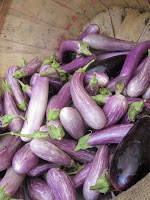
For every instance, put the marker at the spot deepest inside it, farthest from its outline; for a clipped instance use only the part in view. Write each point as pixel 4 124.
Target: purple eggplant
pixel 131 160
pixel 38 189
pixel 140 66
pixel 29 69
pixel 56 85
pixel 16 89
pixel 72 122
pixel 20 194
pixel 10 183
pixel 26 88
pixel 112 83
pixel 77 63
pixel 146 94
pixel 79 178
pixel 68 146
pixel 11 109
pixel 61 184
pixel 78 47
pixel 33 79
pixel 39 97
pixel 91 29
pixel 104 56
pixel 2 129
pixel 110 135
pixel 105 43
pixel 115 108
pixel 102 78
pixel 40 169
pixel 139 83
pixel 99 164
pixel 24 160
pixel 49 152
pixel 91 113
pixel 91 89
pixel 50 104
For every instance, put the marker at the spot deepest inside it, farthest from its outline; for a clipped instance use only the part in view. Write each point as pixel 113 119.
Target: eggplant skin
pixel 131 161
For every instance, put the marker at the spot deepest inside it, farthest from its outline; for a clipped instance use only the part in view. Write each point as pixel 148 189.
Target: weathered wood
pixel 146 33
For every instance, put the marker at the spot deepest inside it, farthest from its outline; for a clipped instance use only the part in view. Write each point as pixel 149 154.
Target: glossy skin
pixel 61 184
pixel 104 56
pixel 131 160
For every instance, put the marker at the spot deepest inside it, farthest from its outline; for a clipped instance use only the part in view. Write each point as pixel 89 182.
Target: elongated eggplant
pixel 16 89
pixel 29 69
pixel 105 43
pixel 140 66
pixel 50 72
pixel 110 66
pixel 20 194
pixel 68 146
pixel 99 164
pixel 146 94
pixel 25 88
pixel 33 79
pixel 2 129
pixel 131 160
pixel 49 152
pixel 91 29
pixel 24 160
pixel 72 122
pixel 104 56
pixel 38 189
pixel 61 184
pixel 110 135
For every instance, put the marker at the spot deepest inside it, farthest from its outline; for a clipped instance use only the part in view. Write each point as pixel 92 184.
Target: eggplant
pixel 33 79
pixel 131 161
pixel 104 56
pixel 72 122
pixel 2 129
pixel 106 43
pixel 38 189
pixel 91 29
pixel 146 94
pixel 140 66
pixel 20 194
pixel 112 134
pixel 50 72
pixel 24 160
pixel 92 89
pixel 110 66
pixel 26 88
pixel 61 184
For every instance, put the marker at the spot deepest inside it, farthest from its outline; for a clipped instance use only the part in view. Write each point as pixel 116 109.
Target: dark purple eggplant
pixel 99 164
pixel 68 146
pixel 33 79
pixel 91 29
pixel 20 194
pixel 38 189
pixel 29 69
pixel 112 134
pixel 24 160
pixel 110 66
pixel 91 89
pixel 61 184
pixel 131 161
pixel 104 56
pixel 16 89
pixel 106 43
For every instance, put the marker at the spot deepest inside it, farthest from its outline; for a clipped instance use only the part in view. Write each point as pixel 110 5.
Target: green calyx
pixel 134 109
pixel 55 64
pixel 85 67
pixel 104 91
pixel 56 132
pixel 23 105
pixel 148 52
pixel 83 143
pixel 19 74
pixel 23 63
pixel 53 115
pixel 6 119
pixel 102 183
pixel 77 169
pixel 24 87
pixel 100 99
pixel 49 61
pixel 3 195
pixel 119 85
pixel 62 74
pixel 6 87
pixel 93 82
pixel 84 49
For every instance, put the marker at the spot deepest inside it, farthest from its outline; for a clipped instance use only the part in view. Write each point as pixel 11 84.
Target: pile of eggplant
pixel 78 122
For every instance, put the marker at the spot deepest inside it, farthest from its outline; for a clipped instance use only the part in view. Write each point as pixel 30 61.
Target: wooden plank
pixel 145 4
pixel 112 3
pixel 133 25
pixel 104 22
pixel 146 33
pixel 133 4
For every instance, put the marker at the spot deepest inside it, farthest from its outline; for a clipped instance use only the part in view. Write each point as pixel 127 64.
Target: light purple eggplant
pixel 29 69
pixel 78 47
pixel 20 194
pixel 99 164
pixel 12 180
pixel 146 94
pixel 91 29
pixel 139 83
pixel 16 89
pixel 77 63
pixel 72 122
pixel 50 72
pixel 40 169
pixel 91 113
pixel 38 189
pixel 114 109
pixel 36 108
pixel 79 178
pixel 43 128
pixel 104 56
pixel 110 135
pixel 56 85
pixel 111 84
pixel 106 43
pixel 68 146
pixel 140 66
pixel 26 88
pixel 8 146
pixel 50 104
pixel 61 184
pixel 102 78
pixel 24 160
pixel 49 152
pixel 33 79
pixel 11 109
